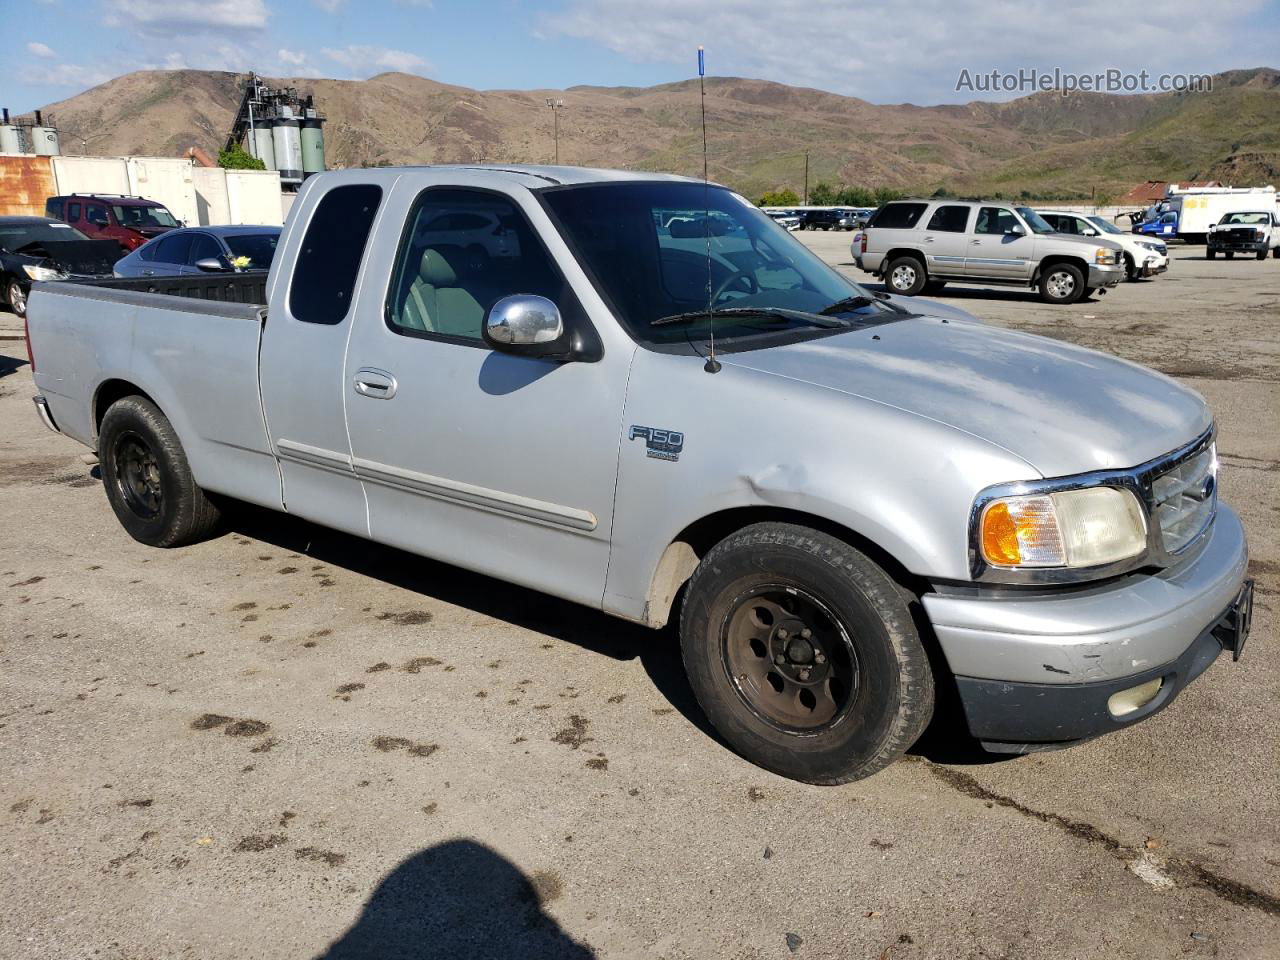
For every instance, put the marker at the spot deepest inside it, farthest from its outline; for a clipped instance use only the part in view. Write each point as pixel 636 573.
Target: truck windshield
pixel 132 216
pixel 1245 218
pixel 660 253
pixel 1036 222
pixel 1106 226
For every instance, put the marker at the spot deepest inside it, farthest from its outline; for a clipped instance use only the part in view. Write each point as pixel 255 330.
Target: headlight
pixel 1074 528
pixel 43 273
pixel 1104 255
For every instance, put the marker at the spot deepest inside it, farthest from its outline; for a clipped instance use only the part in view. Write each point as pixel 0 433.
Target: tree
pixel 855 197
pixel 785 197
pixel 237 158
pixel 823 194
pixel 885 194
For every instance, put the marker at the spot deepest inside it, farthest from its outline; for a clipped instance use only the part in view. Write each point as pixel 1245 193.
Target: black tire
pixel 874 679
pixel 1131 271
pixel 16 299
pixel 906 276
pixel 1275 253
pixel 1230 255
pixel 1211 254
pixel 1262 254
pixel 934 286
pixel 147 478
pixel 1061 283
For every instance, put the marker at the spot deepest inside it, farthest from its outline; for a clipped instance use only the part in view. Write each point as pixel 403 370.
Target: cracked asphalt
pixel 286 742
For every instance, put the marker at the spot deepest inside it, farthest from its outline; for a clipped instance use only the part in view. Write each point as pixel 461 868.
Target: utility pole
pixel 806 179
pixel 556 106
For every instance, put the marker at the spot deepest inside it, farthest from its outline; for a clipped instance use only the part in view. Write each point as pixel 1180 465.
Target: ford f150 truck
pixel 851 504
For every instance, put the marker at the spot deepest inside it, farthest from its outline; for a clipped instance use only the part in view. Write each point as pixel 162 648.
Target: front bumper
pixel 1041 668
pixel 1105 274
pixel 1244 246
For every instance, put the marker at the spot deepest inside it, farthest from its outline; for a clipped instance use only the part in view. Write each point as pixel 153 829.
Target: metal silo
pixel 10 135
pixel 44 140
pixel 312 144
pixel 262 146
pixel 286 139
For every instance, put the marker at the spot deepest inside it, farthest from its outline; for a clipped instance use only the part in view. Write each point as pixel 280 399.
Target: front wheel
pixel 1262 254
pixel 1230 255
pixel 147 478
pixel 1061 283
pixel 1211 254
pixel 906 276
pixel 803 654
pixel 17 299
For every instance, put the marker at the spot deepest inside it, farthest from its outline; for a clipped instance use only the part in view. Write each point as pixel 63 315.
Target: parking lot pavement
pixel 288 743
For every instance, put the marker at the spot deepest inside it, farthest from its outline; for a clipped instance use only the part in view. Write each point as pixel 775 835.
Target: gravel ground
pixel 290 743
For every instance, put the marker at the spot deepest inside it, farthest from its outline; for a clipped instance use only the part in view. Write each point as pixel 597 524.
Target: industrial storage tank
pixel 44 140
pixel 286 139
pixel 262 147
pixel 10 135
pixel 312 144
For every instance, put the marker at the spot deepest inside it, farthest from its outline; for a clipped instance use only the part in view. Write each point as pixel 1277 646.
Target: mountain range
pixel 758 132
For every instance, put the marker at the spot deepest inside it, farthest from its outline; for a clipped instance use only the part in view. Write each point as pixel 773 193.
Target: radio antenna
pixel 712 365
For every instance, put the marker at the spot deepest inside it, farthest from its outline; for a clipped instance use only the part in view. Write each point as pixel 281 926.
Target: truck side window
pixel 949 219
pixel 462 251
pixel 324 276
pixel 73 212
pixel 995 220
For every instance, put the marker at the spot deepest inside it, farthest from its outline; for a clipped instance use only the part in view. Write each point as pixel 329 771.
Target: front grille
pixel 1184 499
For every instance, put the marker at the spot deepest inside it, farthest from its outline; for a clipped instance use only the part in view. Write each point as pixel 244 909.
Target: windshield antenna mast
pixel 712 365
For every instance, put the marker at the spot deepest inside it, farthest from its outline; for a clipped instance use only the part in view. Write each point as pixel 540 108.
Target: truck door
pixel 944 240
pixel 995 250
pixel 303 348
pixel 490 461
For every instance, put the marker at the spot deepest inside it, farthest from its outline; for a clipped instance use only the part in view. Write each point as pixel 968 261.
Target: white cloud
pixel 291 57
pixel 915 52
pixel 329 6
pixel 365 61
pixel 67 75
pixel 166 16
pixel 35 48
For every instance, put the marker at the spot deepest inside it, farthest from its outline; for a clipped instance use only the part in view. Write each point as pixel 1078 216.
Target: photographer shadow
pixel 458 900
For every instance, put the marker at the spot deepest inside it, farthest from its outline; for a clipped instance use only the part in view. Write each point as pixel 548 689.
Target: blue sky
pixel 891 54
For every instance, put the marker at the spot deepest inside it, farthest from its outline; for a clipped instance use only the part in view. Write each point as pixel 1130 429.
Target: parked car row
pixel 44 248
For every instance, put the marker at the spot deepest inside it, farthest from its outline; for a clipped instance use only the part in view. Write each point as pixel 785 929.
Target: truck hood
pixel 85 258
pixel 1061 408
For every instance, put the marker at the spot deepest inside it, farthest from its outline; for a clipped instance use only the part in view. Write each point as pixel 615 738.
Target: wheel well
pixel 684 553
pixel 108 393
pixel 1052 259
pixel 903 252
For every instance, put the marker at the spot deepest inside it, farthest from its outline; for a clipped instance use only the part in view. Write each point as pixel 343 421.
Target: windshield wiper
pixel 855 303
pixel 766 313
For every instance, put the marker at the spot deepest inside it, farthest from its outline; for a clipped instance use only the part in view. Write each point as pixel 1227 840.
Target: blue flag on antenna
pixel 702 64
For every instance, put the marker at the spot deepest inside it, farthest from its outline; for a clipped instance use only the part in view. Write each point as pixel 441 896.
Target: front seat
pixel 437 302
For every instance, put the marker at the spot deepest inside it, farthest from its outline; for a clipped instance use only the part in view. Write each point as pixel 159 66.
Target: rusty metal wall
pixel 25 183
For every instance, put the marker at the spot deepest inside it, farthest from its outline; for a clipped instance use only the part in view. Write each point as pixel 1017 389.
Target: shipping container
pixel 25 183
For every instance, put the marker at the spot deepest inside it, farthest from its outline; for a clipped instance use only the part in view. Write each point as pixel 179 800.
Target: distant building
pixel 1153 191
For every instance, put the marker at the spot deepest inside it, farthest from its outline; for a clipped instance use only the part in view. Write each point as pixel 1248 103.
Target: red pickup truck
pixel 130 221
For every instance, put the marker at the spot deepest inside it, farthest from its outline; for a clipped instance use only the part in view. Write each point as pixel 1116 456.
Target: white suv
pixel 1144 256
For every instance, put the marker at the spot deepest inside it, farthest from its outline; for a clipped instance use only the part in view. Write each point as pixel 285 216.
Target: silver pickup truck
pixel 856 507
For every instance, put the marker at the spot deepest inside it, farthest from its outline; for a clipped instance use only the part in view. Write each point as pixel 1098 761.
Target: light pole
pixel 556 106
pixel 806 179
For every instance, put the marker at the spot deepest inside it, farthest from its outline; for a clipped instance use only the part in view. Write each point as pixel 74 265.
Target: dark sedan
pixel 40 248
pixel 193 250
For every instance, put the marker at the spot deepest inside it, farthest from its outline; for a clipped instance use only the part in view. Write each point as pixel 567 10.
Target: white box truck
pixel 1196 210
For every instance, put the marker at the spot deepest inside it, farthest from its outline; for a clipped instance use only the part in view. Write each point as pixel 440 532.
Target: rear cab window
pixel 328 262
pixel 898 216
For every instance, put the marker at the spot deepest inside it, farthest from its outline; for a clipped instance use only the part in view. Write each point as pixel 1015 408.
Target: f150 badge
pixel 659 444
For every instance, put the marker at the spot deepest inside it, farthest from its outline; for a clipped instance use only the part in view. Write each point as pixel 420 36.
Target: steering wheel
pixel 752 285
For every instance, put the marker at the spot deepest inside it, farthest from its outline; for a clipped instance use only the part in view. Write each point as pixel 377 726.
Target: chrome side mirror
pixel 210 265
pixel 1014 231
pixel 528 325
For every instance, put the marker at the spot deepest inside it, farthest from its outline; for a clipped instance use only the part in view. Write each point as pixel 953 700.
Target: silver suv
pixel 919 246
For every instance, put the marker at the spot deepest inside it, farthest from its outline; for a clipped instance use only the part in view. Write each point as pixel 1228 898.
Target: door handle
pixel 928 239
pixel 976 243
pixel 374 383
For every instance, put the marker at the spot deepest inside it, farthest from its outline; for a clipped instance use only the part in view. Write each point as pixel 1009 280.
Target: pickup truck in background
pixel 854 506
pixel 1250 231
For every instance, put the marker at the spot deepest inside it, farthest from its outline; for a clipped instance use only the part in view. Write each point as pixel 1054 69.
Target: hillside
pixel 1044 144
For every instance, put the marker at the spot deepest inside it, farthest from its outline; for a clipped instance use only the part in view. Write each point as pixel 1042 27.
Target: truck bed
pixel 190 344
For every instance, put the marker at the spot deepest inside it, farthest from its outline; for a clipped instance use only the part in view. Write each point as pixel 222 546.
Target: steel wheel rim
pixel 1061 284
pixel 137 476
pixel 16 298
pixel 903 277
pixel 789 659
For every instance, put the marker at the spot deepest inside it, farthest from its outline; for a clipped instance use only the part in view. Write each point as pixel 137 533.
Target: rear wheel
pixel 906 275
pixel 147 478
pixel 1211 254
pixel 1061 283
pixel 17 299
pixel 804 655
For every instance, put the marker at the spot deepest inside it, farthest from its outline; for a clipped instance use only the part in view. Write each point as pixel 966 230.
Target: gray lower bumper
pixel 46 416
pixel 1105 275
